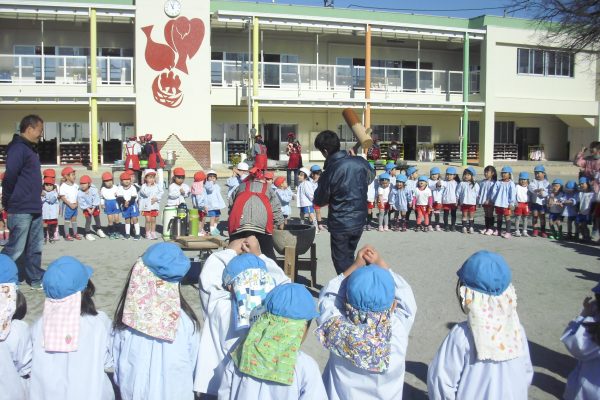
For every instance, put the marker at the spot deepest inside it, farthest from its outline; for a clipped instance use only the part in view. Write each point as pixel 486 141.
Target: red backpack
pixel 237 211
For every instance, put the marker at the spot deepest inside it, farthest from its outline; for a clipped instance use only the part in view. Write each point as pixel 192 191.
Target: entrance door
pixel 526 137
pixel 271 137
pixel 409 139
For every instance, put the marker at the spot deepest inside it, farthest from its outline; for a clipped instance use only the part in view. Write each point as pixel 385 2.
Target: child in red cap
pixel 199 199
pixel 51 173
pixel 150 195
pixel 285 195
pixel 108 203
pixel 50 209
pixel 178 191
pixel 68 194
pixel 127 197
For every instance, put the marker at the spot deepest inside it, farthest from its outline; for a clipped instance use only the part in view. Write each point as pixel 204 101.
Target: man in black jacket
pixel 343 186
pixel 21 198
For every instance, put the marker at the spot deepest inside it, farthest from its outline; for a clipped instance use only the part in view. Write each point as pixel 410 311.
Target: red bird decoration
pixel 158 56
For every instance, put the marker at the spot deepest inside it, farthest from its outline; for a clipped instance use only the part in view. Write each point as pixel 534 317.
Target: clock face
pixel 172 8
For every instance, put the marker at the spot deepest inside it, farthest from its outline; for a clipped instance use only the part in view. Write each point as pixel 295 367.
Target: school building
pixel 204 76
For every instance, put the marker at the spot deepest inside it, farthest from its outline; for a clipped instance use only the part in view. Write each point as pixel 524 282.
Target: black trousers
pixel 343 247
pixel 266 245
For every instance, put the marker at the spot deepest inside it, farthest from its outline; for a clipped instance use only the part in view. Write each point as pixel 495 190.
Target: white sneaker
pixel 438 228
pixel 430 228
pixel 464 229
pixel 100 233
pixel 517 233
pixel 525 234
pixel 489 232
pixel 471 230
pixel 89 236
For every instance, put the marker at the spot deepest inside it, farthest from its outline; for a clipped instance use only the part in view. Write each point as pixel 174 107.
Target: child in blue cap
pixel 556 208
pixel 484 198
pixel 435 185
pixel 71 341
pixel 522 208
pixel 412 173
pixel 315 174
pixel 486 356
pixel 366 316
pixel 585 200
pixel 449 199
pixel 399 200
pixel 383 203
pixel 269 364
pixel 503 197
pixel 155 332
pixel 582 340
pixel 15 341
pixel 421 202
pixel 371 199
pixel 538 196
pixel 305 196
pixel 466 193
pixel 569 201
pixel 221 285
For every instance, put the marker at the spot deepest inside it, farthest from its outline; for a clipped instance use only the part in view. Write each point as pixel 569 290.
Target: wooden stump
pixel 289 263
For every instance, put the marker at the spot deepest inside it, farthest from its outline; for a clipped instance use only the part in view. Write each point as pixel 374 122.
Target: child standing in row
pixel 383 195
pixel 503 197
pixel 178 190
pixel 150 195
pixel 214 201
pixel 449 200
pixel 108 202
pixel 436 190
pixel 68 192
pixel 88 200
pixel 127 197
pixel 50 209
pixel 412 173
pixel 555 208
pixel 466 194
pixel 371 197
pixel 569 202
pixel 538 195
pixel 399 199
pixel 484 198
pixel 199 199
pixel 305 195
pixel 584 216
pixel 421 202
pixel 522 208
pixel 285 196
pixel 48 173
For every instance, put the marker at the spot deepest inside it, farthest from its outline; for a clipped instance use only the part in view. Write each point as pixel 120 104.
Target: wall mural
pixel 184 38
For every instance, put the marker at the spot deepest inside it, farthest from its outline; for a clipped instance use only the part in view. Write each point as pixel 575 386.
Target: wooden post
pixel 289 266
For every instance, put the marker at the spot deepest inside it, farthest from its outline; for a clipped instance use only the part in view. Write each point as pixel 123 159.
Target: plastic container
pixel 169 213
pixel 194 222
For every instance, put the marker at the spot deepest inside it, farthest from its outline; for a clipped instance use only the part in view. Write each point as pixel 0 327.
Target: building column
pixel 368 77
pixel 465 116
pixel 255 75
pixel 486 137
pixel 93 92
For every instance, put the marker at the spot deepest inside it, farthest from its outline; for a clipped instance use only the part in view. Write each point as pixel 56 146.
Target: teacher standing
pixel 343 186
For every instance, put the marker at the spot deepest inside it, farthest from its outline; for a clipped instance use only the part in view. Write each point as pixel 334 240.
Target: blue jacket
pixel 22 182
pixel 343 186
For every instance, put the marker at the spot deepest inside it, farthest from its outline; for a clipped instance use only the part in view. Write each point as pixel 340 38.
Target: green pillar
pixel 465 121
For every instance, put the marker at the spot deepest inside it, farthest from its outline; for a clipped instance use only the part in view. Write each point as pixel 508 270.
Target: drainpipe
pixel 93 94
pixel 368 77
pixel 465 115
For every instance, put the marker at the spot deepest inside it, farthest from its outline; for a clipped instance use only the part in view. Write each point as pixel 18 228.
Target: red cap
pixel 49 180
pixel 269 175
pixel 130 172
pixel 148 136
pixel 199 176
pixel 279 181
pixel 49 172
pixel 66 171
pixel 85 179
pixel 125 176
pixel 107 176
pixel 178 171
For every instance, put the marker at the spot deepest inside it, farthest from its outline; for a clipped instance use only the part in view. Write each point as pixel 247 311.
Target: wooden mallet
pixel 363 134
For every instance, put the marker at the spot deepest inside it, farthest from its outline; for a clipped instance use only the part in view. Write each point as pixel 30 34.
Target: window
pixel 386 133
pixel 346 134
pixel 74 132
pixel 545 62
pixel 473 132
pixel 504 132
pixel 424 134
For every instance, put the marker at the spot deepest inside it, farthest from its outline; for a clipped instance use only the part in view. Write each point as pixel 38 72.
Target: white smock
pixel 455 372
pixel 219 335
pixel 307 384
pixel 152 369
pixel 15 362
pixel 583 382
pixel 343 380
pixel 75 375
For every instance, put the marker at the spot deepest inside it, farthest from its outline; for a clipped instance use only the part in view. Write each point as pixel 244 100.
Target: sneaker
pixel 535 233
pixel 68 238
pixel 367 227
pixel 464 229
pixel 425 229
pixel 488 232
pixel 322 227
pixel 90 237
pixel 51 240
pixel 483 231
pixel 471 230
pixel 137 237
pixel 452 228
pixel 148 236
pixel 495 232
pixel 201 233
pixel 78 236
pixel 506 235
pixel 544 234
pixel 215 232
pixel 430 228
pixel 126 237
pixel 37 286
pixel 517 233
pixel 525 234
pixel 380 229
pixel 385 228
pixel 438 228
pixel 112 236
pixel 154 236
pixel 417 228
pixel 100 233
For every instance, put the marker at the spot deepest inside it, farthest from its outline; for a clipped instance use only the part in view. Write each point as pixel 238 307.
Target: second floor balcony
pixel 342 78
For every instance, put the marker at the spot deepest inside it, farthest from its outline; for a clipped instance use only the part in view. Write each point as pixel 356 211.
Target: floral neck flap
pixel 494 323
pixel 152 305
pixel 8 306
pixel 270 350
pixel 361 337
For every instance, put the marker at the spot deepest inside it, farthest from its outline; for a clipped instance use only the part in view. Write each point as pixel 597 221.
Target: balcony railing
pixel 36 69
pixel 341 77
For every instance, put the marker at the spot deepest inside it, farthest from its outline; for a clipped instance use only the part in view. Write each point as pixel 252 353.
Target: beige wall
pixel 190 121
